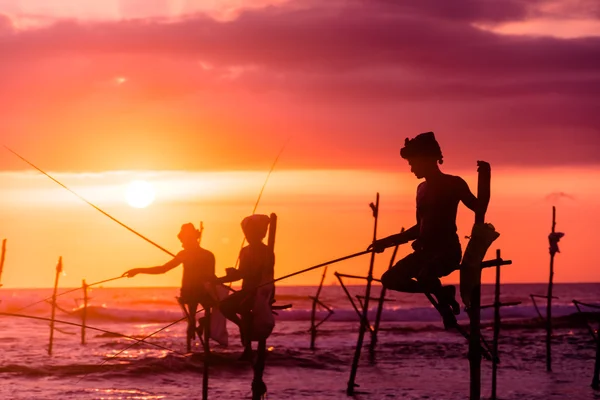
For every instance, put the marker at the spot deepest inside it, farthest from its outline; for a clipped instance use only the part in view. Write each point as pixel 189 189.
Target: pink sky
pixel 217 86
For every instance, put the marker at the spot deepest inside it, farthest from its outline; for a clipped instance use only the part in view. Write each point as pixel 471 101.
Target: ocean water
pixel 415 357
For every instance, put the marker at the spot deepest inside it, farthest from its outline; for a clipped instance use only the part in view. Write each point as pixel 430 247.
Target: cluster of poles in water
pixel 478 347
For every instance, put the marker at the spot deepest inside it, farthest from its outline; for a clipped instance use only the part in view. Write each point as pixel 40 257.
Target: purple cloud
pixel 379 68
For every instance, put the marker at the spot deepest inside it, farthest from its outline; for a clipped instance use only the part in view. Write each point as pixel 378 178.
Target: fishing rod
pixel 95 207
pixel 92 204
pixel 250 290
pixel 259 286
pixel 142 340
pixel 89 327
pixel 262 189
pixel 69 291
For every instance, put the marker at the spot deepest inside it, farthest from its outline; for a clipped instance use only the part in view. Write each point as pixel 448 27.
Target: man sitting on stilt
pixel 198 282
pixel 437 250
pixel 250 308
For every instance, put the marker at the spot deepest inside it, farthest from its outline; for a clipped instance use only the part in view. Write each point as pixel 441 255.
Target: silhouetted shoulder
pixel 207 253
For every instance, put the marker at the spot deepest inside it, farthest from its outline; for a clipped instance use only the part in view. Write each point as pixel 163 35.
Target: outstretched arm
pixel 154 270
pixel 403 237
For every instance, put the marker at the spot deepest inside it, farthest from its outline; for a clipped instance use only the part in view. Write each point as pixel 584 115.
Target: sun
pixel 140 194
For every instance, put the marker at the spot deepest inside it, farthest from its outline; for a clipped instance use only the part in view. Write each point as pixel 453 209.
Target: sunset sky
pixel 198 98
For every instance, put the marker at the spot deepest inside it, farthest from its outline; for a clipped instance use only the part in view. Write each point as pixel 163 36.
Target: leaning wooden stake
pixel 549 304
pixel 2 258
pixel 313 314
pixel 364 320
pixel 84 286
pixel 58 271
pixel 497 306
pixel 380 306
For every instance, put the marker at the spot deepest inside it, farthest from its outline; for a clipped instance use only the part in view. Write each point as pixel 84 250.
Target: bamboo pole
pixel 313 314
pixel 380 306
pixel 483 196
pixel 549 304
pixel 84 311
pixel 258 385
pixel 497 306
pixel 2 258
pixel 364 320
pixel 596 380
pixel 58 271
pixel 206 353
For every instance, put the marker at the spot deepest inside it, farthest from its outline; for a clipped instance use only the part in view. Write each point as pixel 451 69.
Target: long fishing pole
pixel 143 340
pixel 262 189
pixel 92 204
pixel 259 286
pixel 89 327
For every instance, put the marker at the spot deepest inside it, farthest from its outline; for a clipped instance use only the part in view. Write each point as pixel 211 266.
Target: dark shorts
pixel 237 303
pixel 198 296
pixel 427 265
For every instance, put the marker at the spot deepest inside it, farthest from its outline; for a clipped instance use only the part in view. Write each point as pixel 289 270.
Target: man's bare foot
pixel 449 297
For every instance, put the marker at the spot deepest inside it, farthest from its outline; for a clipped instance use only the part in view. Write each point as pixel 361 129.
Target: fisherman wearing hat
pixel 250 308
pixel 197 285
pixel 437 250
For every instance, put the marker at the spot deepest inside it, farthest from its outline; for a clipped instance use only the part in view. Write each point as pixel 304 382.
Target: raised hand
pixel 483 166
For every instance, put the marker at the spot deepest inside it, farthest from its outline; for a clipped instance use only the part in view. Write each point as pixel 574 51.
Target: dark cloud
pixel 353 66
pixel 556 196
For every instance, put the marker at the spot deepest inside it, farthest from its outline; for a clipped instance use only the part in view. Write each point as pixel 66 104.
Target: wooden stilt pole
pixel 259 388
pixel 380 307
pixel 58 271
pixel 258 385
pixel 549 303
pixel 206 353
pixel 364 320
pixel 497 306
pixel 2 258
pixel 313 314
pixel 84 311
pixel 483 196
pixel 596 380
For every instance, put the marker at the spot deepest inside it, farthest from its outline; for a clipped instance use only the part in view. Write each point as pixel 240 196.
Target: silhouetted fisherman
pixel 250 308
pixel 197 285
pixel 437 250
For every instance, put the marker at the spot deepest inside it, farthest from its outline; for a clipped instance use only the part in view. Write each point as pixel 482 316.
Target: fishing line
pixel 143 340
pixel 93 205
pixel 262 189
pixel 91 328
pixel 68 291
pixel 261 285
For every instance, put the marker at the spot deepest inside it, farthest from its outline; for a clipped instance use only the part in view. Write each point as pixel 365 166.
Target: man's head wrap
pixel 256 225
pixel 423 145
pixel 188 231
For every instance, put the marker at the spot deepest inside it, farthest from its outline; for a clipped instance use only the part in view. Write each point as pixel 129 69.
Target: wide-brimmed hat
pixel 188 231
